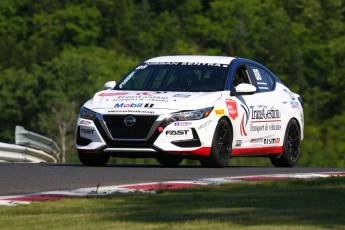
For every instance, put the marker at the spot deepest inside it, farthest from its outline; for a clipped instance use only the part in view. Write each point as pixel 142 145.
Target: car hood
pixel 115 99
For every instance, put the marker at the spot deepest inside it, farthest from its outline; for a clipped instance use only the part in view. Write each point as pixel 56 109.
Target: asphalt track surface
pixel 29 178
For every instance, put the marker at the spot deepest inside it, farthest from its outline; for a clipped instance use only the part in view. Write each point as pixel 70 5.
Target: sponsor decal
pixel 133 105
pixel 265 127
pixel 264 113
pixel 257 74
pixel 126 80
pixel 260 115
pixel 182 95
pixel 294 104
pixel 182 123
pixel 132 111
pixel 271 141
pixel 150 93
pixel 232 109
pixel 238 143
pixel 142 67
pixel 219 112
pixel 207 123
pixel 257 128
pixel 257 141
pixel 87 131
pixel 111 94
pixel 83 122
pixel 187 63
pixel 144 97
pixel 176 132
pixel 203 64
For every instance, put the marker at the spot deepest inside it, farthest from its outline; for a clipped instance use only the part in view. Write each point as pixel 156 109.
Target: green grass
pixel 290 204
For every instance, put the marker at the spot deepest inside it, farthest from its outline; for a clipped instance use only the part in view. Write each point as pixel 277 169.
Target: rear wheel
pixel 170 160
pixel 221 146
pixel 291 147
pixel 93 159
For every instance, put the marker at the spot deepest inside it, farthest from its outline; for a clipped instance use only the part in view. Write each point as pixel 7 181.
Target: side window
pixel 241 76
pixel 263 79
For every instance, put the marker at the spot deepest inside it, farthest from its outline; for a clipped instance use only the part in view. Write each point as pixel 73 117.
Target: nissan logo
pixel 130 121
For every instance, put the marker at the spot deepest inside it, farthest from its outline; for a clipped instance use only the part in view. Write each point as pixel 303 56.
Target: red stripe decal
pixel 243 131
pixel 263 150
pixel 203 151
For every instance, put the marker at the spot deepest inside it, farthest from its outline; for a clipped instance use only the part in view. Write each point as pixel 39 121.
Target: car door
pixel 266 112
pixel 258 113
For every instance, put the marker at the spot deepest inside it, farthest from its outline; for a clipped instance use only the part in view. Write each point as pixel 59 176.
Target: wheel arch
pixel 299 125
pixel 230 123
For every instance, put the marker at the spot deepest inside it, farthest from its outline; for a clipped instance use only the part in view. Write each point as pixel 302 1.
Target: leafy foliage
pixel 55 54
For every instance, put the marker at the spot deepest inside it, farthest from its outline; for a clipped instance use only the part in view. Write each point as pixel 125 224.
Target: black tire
pixel 170 160
pixel 221 146
pixel 291 146
pixel 93 159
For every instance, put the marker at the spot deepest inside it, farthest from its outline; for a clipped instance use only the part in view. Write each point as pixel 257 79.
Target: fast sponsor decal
pixel 219 112
pixel 232 109
pixel 207 123
pixel 133 105
pixel 87 131
pixel 176 132
pixel 183 123
pixel 271 141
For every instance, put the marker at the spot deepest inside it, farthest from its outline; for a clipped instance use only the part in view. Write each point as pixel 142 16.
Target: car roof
pixel 193 59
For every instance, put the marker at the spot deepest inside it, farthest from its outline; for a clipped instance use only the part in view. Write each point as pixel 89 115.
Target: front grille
pixel 120 130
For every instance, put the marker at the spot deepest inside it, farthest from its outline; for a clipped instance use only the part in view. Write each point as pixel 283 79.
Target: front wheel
pixel 93 159
pixel 291 147
pixel 221 146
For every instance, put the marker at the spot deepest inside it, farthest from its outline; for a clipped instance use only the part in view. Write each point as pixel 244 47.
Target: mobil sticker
pixel 232 109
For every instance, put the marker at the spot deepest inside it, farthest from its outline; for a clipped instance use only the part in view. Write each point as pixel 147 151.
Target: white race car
pixel 208 108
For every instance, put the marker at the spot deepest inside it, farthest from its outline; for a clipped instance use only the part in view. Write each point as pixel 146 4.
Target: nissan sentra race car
pixel 208 108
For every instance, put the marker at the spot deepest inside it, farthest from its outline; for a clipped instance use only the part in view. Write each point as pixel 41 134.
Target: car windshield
pixel 175 77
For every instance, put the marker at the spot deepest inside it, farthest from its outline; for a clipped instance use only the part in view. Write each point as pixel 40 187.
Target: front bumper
pixel 152 136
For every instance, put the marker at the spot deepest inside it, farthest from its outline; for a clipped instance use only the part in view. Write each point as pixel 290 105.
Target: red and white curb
pixel 151 187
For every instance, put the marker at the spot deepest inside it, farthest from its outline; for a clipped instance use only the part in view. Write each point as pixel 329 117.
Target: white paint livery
pixel 198 107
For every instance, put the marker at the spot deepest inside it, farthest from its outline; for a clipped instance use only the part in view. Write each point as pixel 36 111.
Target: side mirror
pixel 109 85
pixel 244 89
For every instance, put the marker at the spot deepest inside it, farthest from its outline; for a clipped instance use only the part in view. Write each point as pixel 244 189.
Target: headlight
pixel 192 115
pixel 87 114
